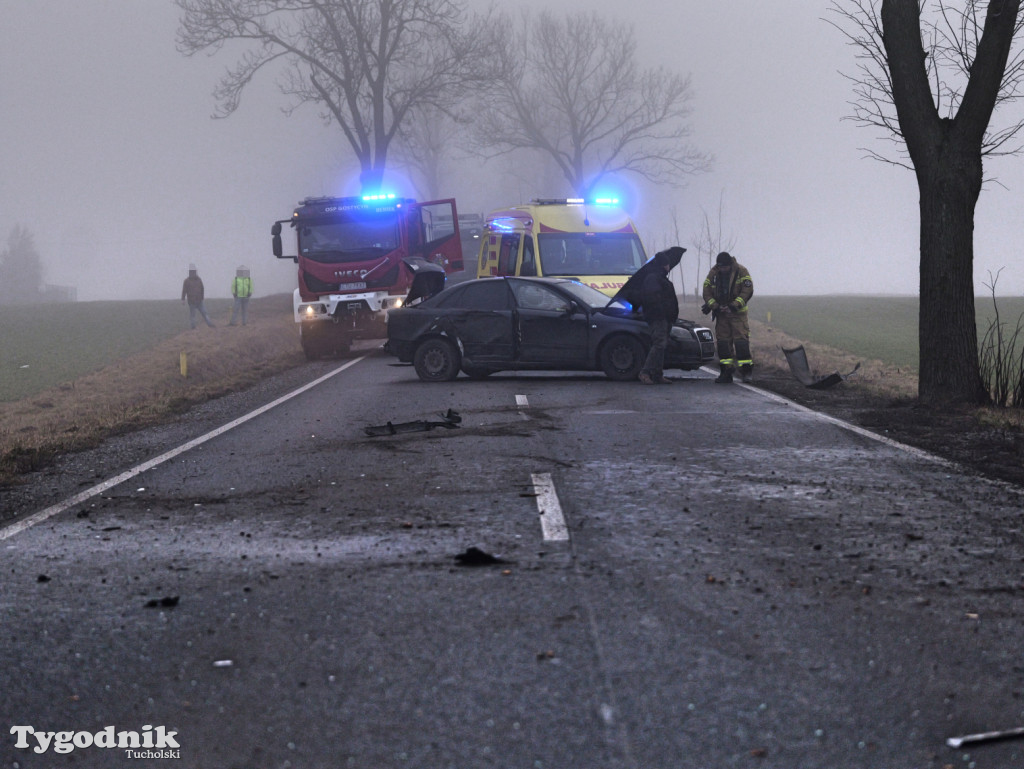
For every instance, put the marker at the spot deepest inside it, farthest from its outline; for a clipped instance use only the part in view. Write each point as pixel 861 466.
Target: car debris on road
pixel 449 420
pixel 474 556
pixel 956 742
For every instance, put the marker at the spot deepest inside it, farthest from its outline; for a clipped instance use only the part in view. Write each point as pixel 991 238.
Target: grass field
pixel 47 345
pixel 872 327
pixel 86 371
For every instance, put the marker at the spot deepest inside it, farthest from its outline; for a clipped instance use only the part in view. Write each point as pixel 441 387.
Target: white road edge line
pixel 920 453
pixel 19 526
pixel 552 522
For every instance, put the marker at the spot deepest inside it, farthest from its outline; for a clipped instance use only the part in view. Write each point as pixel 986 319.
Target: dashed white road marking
pixel 552 522
pixel 522 403
pixel 25 523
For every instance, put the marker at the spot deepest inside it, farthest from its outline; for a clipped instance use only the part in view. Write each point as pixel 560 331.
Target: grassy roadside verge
pixel 875 376
pixel 147 387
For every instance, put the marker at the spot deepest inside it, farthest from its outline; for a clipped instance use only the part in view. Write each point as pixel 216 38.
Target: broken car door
pixel 483 322
pixel 550 327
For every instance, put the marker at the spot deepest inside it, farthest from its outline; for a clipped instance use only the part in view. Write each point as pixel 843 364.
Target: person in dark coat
pixel 192 290
pixel 660 308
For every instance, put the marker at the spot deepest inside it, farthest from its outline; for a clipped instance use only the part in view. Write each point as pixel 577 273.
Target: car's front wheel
pixel 437 360
pixel 622 357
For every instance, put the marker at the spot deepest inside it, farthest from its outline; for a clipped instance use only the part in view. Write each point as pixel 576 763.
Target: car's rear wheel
pixel 622 357
pixel 437 360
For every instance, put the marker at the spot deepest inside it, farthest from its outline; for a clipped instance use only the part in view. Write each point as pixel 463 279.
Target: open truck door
pixel 439 234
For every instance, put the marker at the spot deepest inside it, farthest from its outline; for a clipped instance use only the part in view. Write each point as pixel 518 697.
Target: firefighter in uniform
pixel 727 291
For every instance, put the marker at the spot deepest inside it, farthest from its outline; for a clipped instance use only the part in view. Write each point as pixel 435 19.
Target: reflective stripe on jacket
pixel 729 285
pixel 241 287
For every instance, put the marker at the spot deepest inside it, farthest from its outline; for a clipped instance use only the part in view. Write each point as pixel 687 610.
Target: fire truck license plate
pixel 351 286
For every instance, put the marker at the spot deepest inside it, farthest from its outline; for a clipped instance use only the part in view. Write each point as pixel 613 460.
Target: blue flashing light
pixel 604 201
pixel 503 224
pixel 384 196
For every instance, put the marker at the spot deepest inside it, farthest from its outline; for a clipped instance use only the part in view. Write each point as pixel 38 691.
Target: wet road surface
pixel 740 583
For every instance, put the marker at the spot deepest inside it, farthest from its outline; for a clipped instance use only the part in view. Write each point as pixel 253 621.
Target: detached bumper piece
pixel 797 359
pixel 449 420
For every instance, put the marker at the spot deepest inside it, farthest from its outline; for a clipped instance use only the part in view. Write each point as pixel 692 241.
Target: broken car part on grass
pixel 797 359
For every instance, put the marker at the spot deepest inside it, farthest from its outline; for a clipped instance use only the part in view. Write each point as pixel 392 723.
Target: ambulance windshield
pixel 590 253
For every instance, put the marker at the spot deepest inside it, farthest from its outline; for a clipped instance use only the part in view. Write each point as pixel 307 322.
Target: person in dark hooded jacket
pixel 660 308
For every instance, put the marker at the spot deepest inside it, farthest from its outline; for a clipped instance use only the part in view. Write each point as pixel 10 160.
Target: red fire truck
pixel 359 257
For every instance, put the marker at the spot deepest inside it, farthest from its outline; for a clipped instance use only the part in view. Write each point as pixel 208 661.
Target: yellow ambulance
pixel 594 242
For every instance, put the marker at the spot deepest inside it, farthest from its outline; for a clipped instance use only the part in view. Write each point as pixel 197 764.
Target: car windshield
pixel 333 241
pixel 590 253
pixel 591 297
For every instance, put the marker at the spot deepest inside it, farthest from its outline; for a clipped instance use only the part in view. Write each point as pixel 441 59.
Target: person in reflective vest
pixel 241 289
pixel 727 292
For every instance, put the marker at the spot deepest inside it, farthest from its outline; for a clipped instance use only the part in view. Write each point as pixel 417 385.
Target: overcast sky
pixel 113 163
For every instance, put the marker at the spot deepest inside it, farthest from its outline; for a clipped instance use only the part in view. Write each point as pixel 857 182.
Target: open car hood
pixel 631 292
pixel 428 278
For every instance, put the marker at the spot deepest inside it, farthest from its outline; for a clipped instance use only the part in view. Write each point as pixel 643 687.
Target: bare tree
pixel 424 146
pixel 571 88
pixel 21 270
pixel 931 74
pixel 711 241
pixel 368 64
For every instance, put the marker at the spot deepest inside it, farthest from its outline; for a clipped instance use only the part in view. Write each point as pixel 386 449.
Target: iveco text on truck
pixel 359 257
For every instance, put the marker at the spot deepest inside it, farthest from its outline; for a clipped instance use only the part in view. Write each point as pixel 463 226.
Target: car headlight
pixel 680 334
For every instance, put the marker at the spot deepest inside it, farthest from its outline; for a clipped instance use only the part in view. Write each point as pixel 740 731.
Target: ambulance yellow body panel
pixel 596 243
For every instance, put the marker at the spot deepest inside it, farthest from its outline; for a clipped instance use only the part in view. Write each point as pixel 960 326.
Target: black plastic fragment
pixel 449 420
pixel 474 556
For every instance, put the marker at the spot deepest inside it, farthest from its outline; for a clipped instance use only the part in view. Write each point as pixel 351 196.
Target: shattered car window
pixel 591 297
pixel 531 296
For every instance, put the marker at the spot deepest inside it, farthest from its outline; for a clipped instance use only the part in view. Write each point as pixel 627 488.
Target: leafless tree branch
pixel 570 88
pixel 368 64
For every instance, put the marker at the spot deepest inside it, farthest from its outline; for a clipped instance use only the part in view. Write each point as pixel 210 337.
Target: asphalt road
pixel 688 576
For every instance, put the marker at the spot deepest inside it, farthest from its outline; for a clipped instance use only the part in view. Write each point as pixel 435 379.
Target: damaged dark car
pixel 533 324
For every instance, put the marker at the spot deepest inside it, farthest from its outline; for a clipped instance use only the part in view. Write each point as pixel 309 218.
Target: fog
pixel 112 161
